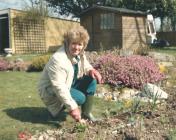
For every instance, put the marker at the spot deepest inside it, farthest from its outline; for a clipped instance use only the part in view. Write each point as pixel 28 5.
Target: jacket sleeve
pixel 58 74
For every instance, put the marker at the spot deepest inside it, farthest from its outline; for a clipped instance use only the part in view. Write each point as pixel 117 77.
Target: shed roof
pixel 113 9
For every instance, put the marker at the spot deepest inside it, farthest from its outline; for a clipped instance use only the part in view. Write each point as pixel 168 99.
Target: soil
pixel 153 125
pixel 145 124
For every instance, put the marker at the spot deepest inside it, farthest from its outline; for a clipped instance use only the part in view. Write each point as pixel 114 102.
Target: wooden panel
pixel 29 36
pixel 107 40
pixel 169 36
pixel 87 21
pixel 55 30
pixel 134 32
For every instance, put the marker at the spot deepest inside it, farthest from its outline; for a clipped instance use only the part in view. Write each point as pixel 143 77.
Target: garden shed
pixel 115 28
pixel 25 35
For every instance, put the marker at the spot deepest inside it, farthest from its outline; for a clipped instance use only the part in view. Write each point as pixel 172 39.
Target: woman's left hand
pixel 95 74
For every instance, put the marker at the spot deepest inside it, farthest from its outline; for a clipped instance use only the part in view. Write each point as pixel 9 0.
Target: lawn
pixel 25 57
pixel 20 106
pixel 22 110
pixel 167 50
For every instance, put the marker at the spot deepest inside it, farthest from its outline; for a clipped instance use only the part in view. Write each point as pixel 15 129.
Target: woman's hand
pixel 96 75
pixel 76 114
pixel 82 121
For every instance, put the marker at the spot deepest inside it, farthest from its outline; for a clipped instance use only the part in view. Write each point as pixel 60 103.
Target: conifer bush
pixel 131 71
pixel 38 63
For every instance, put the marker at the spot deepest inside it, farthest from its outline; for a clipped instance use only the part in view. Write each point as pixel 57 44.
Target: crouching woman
pixel 68 79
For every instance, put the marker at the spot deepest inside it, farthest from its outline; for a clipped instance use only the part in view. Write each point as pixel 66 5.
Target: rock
pixel 41 138
pixel 115 95
pixel 166 64
pixel 103 89
pixel 128 93
pixel 50 132
pixel 19 60
pixel 151 90
pixel 100 95
pixel 169 83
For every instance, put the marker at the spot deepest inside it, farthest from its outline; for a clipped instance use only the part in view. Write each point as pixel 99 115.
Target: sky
pixel 21 4
pixel 14 4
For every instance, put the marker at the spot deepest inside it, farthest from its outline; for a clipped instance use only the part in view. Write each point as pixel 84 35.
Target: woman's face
pixel 75 48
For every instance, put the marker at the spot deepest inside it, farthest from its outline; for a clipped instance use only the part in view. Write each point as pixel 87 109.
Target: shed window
pixel 107 21
pixel 151 28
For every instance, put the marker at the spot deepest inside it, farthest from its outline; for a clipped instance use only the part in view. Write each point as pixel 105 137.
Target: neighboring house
pixel 115 28
pixel 25 35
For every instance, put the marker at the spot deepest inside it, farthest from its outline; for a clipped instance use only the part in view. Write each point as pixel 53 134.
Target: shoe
pixel 87 108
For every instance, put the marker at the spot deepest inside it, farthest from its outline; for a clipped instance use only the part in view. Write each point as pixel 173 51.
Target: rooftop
pixel 113 9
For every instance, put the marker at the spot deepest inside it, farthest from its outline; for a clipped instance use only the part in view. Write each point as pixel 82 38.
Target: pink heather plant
pixel 4 65
pixel 131 71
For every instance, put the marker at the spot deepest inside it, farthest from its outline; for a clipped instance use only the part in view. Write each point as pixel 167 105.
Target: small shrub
pixel 172 134
pixel 131 71
pixel 142 50
pixel 19 66
pixel 79 128
pixel 38 63
pixel 4 65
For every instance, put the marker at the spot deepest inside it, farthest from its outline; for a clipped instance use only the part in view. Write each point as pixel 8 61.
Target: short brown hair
pixel 76 34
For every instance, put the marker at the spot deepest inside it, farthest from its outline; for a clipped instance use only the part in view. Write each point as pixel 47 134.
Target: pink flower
pixel 131 71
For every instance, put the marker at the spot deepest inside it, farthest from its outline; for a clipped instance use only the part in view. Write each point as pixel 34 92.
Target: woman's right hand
pixel 82 121
pixel 76 114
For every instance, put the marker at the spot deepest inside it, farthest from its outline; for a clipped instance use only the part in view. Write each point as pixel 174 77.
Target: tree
pixel 172 13
pixel 36 9
pixel 75 7
pixel 158 8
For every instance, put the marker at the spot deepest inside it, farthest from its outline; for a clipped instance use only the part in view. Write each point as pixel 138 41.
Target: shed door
pixel 4 32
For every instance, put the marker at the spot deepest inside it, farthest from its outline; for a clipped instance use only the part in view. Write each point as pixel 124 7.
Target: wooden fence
pixel 169 36
pixel 29 36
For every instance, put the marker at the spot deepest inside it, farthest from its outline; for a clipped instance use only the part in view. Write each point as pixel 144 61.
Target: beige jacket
pixel 58 76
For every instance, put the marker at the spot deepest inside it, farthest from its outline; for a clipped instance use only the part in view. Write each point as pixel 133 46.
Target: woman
pixel 68 80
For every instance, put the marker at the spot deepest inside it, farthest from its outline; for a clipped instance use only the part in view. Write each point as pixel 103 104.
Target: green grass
pixel 172 135
pixel 25 57
pixel 20 106
pixel 167 50
pixel 22 110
